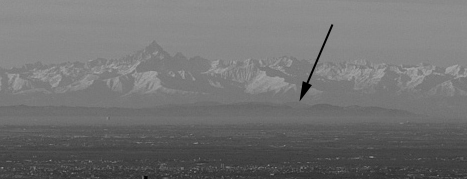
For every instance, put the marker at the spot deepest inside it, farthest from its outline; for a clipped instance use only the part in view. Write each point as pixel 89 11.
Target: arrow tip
pixel 305 88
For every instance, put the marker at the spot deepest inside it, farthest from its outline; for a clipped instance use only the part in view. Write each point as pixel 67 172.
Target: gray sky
pixel 396 31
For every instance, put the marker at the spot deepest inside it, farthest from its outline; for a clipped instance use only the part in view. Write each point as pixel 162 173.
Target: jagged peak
pixel 96 62
pixel 454 66
pixel 453 70
pixel 153 47
pixel 31 66
pixel 180 56
pixel 289 58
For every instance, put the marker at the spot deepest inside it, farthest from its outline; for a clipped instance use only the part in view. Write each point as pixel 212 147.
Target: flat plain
pixel 248 150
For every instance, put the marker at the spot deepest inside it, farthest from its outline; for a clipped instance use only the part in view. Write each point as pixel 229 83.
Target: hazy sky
pixel 392 31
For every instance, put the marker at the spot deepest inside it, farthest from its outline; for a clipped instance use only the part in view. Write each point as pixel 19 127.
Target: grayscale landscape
pixel 211 89
pixel 153 77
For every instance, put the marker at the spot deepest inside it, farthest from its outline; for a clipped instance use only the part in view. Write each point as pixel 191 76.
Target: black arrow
pixel 306 85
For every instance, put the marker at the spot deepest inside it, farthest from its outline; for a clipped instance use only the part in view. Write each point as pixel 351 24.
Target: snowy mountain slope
pixel 154 77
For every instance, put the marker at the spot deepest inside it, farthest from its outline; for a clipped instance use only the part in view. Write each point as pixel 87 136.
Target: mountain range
pixel 153 77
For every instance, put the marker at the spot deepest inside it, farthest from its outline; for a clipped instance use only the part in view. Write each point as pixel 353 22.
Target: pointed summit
pixel 154 51
pixel 153 47
pixel 180 56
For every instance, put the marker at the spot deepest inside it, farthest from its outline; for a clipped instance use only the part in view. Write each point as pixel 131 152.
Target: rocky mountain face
pixel 152 77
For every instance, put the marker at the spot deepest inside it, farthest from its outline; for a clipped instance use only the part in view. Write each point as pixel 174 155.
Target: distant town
pixel 364 150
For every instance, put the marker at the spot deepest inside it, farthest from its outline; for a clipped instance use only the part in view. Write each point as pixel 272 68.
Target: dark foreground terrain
pixel 356 150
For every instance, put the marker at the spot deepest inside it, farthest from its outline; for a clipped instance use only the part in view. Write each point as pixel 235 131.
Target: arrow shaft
pixel 319 55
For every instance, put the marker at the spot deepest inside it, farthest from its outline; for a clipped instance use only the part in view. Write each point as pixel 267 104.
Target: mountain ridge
pixel 152 77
